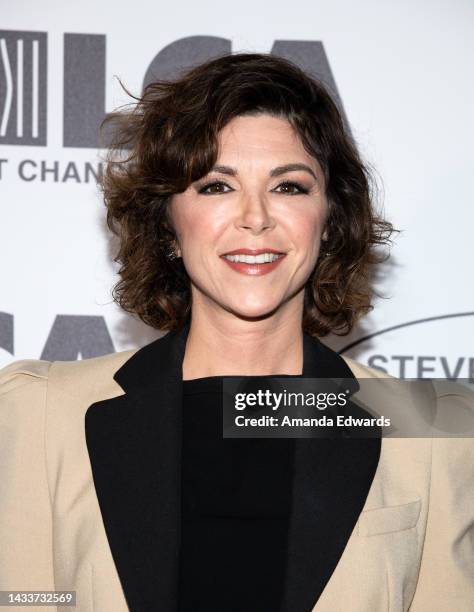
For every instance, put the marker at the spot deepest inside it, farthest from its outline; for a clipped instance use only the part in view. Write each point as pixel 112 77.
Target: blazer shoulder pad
pixel 23 371
pixel 91 377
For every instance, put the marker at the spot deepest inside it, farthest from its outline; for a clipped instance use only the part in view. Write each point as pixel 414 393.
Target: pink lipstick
pixel 253 262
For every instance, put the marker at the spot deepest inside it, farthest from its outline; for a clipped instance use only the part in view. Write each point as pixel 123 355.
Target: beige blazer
pixel 410 548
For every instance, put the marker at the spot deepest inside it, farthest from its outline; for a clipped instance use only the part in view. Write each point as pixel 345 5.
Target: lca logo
pixel 24 74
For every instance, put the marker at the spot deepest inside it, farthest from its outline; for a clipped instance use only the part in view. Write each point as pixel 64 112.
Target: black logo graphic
pixel 23 84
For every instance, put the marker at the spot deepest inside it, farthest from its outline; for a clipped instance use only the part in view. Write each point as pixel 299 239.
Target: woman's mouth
pixel 254 265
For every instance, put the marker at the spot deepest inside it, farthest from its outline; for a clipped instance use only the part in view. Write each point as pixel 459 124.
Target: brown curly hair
pixel 170 138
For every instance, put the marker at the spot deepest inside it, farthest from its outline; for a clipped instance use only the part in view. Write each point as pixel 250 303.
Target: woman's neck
pixel 243 348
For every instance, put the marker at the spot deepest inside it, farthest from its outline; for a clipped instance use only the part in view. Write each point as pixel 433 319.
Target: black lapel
pixel 332 478
pixel 134 445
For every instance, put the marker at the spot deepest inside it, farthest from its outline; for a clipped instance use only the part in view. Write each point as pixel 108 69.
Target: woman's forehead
pixel 261 140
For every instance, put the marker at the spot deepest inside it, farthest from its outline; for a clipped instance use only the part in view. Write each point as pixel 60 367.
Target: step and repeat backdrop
pixel 402 73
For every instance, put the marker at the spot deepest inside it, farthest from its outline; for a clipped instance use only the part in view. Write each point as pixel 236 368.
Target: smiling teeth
pixel 253 259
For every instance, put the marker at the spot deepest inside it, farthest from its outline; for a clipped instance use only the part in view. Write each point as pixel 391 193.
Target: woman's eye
pixel 290 187
pixel 214 187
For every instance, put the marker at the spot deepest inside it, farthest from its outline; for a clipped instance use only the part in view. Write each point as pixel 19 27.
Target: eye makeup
pixel 301 189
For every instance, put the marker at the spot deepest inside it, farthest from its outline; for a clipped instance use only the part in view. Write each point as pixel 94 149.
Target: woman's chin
pixel 254 311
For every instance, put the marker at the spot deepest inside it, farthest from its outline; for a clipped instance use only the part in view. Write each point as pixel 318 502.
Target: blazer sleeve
pixel 26 550
pixel 446 577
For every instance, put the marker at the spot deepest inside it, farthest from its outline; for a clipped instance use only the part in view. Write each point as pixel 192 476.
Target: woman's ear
pixel 170 227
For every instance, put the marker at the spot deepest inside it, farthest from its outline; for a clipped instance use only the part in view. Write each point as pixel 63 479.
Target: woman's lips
pixel 256 269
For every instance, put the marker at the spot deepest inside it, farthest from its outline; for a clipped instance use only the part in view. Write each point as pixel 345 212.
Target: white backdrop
pixel 404 73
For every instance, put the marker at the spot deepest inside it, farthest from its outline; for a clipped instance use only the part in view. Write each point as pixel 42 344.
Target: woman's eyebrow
pixel 275 172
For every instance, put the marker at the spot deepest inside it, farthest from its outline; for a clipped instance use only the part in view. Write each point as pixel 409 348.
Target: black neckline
pixel 213 384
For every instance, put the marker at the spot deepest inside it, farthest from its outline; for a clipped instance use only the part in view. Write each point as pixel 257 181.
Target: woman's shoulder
pixel 24 376
pixel 73 377
pixel 434 407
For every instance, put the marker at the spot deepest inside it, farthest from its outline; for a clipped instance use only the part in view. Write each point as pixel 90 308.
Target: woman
pixel 247 231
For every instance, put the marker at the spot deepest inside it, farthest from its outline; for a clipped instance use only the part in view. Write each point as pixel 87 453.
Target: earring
pixel 170 254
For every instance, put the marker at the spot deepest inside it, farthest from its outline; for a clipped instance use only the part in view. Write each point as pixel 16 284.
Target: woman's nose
pixel 254 213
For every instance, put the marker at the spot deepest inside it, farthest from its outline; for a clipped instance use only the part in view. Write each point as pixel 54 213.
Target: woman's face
pixel 250 201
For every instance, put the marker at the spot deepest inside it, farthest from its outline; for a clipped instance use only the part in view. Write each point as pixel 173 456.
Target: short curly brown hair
pixel 170 137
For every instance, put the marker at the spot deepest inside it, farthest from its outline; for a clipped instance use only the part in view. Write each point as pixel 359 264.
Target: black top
pixel 236 499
